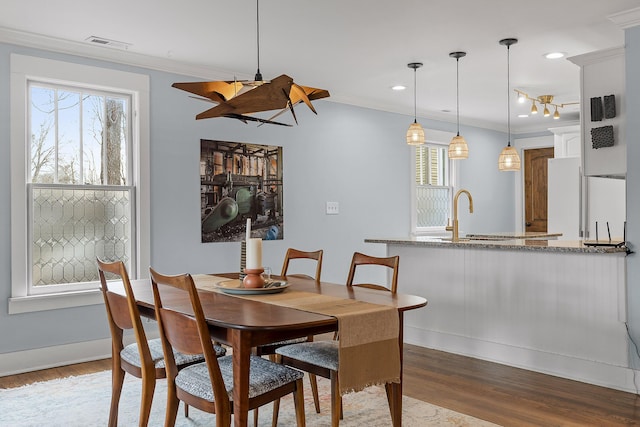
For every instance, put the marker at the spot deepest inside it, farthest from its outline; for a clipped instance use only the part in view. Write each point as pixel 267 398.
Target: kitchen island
pixel 552 306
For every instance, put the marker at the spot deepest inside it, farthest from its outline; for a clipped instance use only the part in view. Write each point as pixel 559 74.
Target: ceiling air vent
pixel 106 42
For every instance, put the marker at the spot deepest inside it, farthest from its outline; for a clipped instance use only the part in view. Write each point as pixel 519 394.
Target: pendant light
pixel 509 159
pixel 415 134
pixel 458 148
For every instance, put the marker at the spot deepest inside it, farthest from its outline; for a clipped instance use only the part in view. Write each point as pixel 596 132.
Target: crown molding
pixel 626 19
pixel 119 56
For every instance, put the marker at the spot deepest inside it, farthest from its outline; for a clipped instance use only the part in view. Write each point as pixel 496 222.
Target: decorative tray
pixel 234 287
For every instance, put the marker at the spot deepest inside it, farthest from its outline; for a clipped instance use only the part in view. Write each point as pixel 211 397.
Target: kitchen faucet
pixel 454 227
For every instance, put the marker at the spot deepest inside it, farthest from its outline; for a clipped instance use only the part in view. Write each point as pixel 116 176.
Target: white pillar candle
pixel 248 229
pixel 254 253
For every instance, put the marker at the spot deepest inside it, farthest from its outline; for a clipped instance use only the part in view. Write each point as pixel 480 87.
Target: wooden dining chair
pixel 298 254
pixel 360 259
pixel 143 359
pixel 270 349
pixel 321 357
pixel 208 385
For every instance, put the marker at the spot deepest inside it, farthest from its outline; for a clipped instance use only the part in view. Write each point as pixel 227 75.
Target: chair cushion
pixel 264 376
pixel 319 353
pixel 130 354
pixel 286 342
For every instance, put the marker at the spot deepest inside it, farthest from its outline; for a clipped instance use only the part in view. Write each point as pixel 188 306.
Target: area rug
pixel 83 401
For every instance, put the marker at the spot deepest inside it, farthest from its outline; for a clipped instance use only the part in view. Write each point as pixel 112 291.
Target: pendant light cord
pixel 415 96
pixel 258 76
pixel 458 93
pixel 508 97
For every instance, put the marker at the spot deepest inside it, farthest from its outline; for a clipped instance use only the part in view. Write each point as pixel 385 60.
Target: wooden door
pixel 535 188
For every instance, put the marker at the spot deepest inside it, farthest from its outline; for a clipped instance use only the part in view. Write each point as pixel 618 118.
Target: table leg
pixel 394 390
pixel 240 341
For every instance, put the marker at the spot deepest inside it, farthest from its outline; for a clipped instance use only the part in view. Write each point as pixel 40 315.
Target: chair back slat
pixel 362 259
pixel 298 254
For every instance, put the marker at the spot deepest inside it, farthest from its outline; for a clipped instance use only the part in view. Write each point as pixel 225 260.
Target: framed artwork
pixel 240 181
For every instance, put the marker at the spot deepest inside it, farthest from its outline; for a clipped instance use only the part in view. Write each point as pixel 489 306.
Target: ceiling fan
pixel 238 99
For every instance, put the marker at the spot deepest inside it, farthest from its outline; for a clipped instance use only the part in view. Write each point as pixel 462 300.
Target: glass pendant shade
pixel 509 159
pixel 415 134
pixel 458 148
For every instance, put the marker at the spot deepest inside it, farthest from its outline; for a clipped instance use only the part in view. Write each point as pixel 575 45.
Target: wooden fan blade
pixel 298 94
pixel 244 118
pixel 217 91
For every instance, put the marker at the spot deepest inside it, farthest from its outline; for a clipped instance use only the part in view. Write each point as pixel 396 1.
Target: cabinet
pixel 602 73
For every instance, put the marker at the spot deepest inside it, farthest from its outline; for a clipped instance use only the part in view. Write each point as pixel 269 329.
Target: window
pixel 77 190
pixel 432 184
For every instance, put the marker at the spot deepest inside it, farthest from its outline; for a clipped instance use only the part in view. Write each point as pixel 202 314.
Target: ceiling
pixel 358 49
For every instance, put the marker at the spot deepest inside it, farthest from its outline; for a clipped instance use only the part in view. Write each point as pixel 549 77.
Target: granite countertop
pixel 538 245
pixel 512 235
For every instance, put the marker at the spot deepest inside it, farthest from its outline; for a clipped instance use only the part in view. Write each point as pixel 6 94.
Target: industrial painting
pixel 240 181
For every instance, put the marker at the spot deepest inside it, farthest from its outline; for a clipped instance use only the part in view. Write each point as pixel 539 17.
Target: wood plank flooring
pixel 493 392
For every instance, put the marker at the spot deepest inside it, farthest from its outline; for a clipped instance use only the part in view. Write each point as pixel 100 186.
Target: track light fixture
pixel 544 100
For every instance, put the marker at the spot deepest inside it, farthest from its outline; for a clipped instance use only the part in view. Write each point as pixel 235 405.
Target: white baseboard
pixel 50 357
pixel 587 371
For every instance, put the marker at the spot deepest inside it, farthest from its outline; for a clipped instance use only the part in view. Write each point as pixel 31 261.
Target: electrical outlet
pixel 333 208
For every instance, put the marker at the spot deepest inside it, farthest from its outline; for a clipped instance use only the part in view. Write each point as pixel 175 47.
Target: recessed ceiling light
pixel 523 115
pixel 554 55
pixel 398 87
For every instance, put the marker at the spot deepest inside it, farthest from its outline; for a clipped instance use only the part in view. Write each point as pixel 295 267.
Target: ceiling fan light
pixel 458 148
pixel 509 160
pixel 415 134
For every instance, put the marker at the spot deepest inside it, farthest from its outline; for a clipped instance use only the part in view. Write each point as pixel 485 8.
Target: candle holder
pixel 254 278
pixel 243 259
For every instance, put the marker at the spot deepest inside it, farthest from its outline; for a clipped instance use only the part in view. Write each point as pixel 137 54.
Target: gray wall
pixel 351 155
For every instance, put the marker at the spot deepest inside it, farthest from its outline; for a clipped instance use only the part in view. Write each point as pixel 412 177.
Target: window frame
pixel 27 68
pixel 441 139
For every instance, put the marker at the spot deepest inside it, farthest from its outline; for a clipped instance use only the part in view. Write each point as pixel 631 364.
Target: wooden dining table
pixel 244 324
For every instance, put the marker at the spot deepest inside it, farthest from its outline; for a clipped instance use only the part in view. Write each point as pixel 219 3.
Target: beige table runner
pixel 369 353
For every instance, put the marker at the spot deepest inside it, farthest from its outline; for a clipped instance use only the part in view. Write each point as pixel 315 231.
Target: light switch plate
pixel 333 208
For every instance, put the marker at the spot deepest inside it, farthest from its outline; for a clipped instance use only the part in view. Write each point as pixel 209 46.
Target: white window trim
pixel 436 137
pixel 24 68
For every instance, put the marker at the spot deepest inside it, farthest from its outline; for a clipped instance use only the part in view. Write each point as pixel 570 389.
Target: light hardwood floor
pixel 497 393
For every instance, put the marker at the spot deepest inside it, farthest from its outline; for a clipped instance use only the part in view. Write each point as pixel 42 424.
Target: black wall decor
pixel 596 109
pixel 609 106
pixel 602 137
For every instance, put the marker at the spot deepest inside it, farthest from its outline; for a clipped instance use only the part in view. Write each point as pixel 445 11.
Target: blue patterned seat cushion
pixel 319 353
pixel 287 342
pixel 131 355
pixel 264 376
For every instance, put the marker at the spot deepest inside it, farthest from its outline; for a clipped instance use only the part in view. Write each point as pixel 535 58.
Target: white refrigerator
pixel 575 202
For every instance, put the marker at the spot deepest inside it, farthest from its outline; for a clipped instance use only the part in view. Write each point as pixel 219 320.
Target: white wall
pixel 355 156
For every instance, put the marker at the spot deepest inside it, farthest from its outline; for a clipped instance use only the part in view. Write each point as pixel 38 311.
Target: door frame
pixel 520 145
